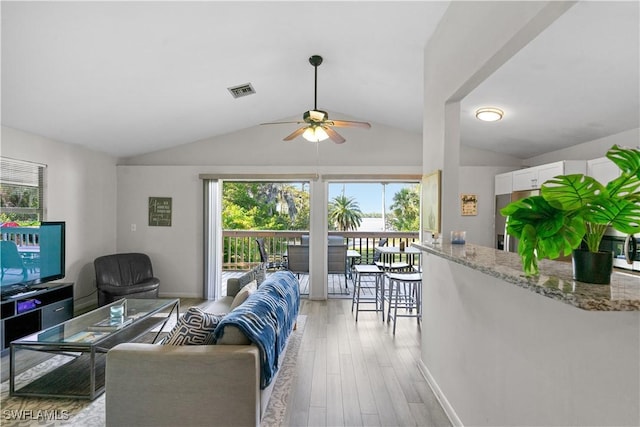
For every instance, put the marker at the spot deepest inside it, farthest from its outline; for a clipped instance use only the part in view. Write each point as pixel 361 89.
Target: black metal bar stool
pixel 367 270
pixel 405 292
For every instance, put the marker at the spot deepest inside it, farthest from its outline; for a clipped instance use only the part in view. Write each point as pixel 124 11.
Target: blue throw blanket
pixel 267 318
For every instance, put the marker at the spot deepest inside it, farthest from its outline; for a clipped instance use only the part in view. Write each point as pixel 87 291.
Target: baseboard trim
pixel 179 295
pixel 442 399
pixel 79 309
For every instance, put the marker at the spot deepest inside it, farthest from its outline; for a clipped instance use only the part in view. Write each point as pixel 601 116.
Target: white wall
pixel 505 356
pixel 589 150
pixel 263 145
pixel 470 156
pixel 176 252
pixel 478 180
pixel 81 190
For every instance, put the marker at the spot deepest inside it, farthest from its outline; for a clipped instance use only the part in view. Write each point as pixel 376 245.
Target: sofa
pixel 192 385
pixel 125 275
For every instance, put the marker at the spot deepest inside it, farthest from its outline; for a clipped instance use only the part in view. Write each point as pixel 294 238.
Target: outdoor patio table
pixel 388 254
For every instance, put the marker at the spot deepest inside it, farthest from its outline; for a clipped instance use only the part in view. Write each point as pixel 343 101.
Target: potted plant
pixel 576 208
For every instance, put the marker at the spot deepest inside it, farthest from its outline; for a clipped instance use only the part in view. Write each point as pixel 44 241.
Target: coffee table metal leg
pixel 175 307
pixel 12 369
pixel 92 374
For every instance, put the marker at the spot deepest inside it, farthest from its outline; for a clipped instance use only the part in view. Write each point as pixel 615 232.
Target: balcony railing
pixel 241 250
pixel 21 236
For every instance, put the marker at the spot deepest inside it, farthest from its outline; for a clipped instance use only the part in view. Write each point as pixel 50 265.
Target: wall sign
pixel 160 211
pixel 469 204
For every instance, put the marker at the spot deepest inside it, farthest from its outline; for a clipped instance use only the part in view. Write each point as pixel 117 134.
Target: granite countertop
pixel 555 279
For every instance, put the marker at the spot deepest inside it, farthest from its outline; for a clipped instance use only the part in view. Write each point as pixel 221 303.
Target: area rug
pixel 50 412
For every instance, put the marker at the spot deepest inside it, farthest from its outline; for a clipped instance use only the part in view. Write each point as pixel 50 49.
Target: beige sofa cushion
pixel 244 293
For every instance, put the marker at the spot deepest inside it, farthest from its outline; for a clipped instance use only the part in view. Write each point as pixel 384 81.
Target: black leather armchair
pixel 127 275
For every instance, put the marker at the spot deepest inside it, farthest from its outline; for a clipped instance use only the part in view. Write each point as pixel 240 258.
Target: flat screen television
pixel 31 256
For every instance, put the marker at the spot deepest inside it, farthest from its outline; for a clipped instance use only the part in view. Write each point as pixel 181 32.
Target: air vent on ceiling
pixel 242 90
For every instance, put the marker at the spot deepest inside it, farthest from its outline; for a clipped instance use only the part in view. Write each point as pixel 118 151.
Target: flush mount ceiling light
pixel 489 114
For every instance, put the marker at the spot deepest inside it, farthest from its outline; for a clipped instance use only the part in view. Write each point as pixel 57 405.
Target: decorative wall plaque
pixel 160 211
pixel 469 204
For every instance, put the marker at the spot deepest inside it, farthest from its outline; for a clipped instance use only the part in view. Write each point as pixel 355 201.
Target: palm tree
pixel 345 213
pixel 406 209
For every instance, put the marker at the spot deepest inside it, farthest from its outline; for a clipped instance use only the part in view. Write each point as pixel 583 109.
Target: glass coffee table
pixel 79 346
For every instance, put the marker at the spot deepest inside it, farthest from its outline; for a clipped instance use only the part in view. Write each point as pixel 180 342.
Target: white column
pixel 318 240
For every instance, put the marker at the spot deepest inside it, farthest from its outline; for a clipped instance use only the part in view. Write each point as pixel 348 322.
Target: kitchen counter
pixel 501 349
pixel 555 280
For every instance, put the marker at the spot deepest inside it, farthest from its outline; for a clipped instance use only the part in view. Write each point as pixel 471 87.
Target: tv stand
pixel 21 315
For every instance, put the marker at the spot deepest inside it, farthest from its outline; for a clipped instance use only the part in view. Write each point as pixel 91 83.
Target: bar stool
pixel 370 271
pixel 405 292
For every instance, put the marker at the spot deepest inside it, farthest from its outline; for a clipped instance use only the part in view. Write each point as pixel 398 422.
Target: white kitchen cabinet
pixel 525 179
pixel 603 170
pixel 533 178
pixel 504 183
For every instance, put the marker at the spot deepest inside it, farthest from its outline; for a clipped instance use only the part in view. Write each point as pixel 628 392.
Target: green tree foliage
pixel 19 204
pixel 264 206
pixel 405 210
pixel 344 213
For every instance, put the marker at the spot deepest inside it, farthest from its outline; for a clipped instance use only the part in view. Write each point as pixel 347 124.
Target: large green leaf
pixel 627 159
pixel 572 192
pixel 527 250
pixel 624 186
pixel 532 210
pixel 621 214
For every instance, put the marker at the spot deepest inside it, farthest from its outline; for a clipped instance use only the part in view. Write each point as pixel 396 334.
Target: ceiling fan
pixel 317 125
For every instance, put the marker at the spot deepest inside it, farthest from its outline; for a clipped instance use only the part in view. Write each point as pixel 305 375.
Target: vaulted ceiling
pixel 129 78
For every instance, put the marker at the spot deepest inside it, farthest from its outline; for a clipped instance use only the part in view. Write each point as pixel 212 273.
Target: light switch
pixel 133 227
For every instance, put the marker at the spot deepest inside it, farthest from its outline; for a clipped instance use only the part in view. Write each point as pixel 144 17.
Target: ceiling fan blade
pixel 350 124
pixel 335 136
pixel 295 134
pixel 280 123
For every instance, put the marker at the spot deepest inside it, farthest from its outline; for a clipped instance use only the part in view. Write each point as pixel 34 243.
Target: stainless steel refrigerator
pixel 503 241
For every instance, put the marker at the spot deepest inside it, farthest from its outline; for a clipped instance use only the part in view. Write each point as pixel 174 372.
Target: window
pixel 374 206
pixel 276 211
pixel 21 191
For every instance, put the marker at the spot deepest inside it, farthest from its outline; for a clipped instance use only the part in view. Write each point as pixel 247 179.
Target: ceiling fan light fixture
pixel 489 114
pixel 316 124
pixel 315 134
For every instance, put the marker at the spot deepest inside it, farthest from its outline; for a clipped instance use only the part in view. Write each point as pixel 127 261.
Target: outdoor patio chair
pixel 337 261
pixel 377 254
pixel 264 257
pixel 298 259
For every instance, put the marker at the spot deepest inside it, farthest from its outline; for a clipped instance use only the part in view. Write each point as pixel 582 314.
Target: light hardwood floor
pixel 359 374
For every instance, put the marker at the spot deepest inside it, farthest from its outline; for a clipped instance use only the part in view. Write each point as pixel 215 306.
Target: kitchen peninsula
pixel 502 349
